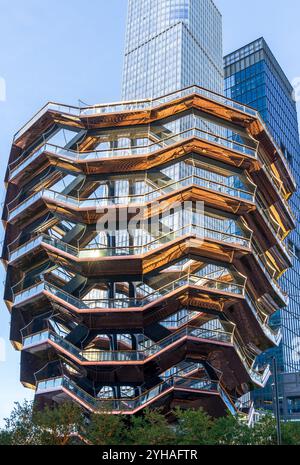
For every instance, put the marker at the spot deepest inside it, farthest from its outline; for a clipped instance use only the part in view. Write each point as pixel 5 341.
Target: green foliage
pixel 229 431
pixel 20 426
pixel 66 424
pixel 5 438
pixel 194 427
pixel 235 431
pixel 26 426
pixel 264 432
pixel 57 425
pixel 151 428
pixel 291 433
pixel 106 430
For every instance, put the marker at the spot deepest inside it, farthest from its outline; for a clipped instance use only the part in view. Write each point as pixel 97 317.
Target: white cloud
pixel 296 85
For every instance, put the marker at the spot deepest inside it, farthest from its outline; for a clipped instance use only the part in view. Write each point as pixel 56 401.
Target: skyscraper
pixel 172 44
pixel 254 77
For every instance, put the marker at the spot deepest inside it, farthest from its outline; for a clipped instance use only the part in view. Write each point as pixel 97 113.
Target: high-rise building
pixel 130 316
pixel 172 44
pixel 254 77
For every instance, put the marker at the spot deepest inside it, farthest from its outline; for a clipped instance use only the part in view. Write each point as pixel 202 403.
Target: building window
pixel 180 11
pixel 289 157
pixel 293 405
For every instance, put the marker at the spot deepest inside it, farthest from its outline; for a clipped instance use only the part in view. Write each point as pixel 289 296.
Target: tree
pixel 67 423
pixel 235 431
pixel 50 426
pixel 229 430
pixel 264 432
pixel 151 428
pixel 194 427
pixel 291 433
pixel 106 430
pixel 20 426
pixel 58 425
pixel 5 438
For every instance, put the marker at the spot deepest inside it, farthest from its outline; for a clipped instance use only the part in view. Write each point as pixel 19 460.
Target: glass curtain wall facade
pixel 172 44
pixel 254 77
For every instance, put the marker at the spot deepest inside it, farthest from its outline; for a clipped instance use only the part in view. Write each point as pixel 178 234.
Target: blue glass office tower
pixel 172 44
pixel 254 77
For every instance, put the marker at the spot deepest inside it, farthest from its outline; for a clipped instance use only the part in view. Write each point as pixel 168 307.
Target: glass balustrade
pixel 24 249
pixel 126 355
pixel 274 226
pixel 29 293
pixel 131 199
pixel 134 106
pixel 180 370
pixel 99 356
pixel 192 280
pixel 50 384
pixel 75 156
pixel 274 336
pixel 148 197
pixel 200 232
pixel 278 150
pixel 175 321
pixel 130 404
pixel 278 186
pixel 24 205
pixel 259 377
pixel 37 241
pixel 227 401
pixel 152 103
pixel 247 358
pixel 36 339
pixel 270 275
pixel 101 202
pixel 138 250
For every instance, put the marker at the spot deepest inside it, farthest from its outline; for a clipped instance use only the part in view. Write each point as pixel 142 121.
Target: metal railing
pixel 72 155
pixel 260 257
pixel 128 404
pixel 200 232
pixel 192 280
pixel 129 199
pixel 278 186
pixel 153 103
pixel 48 194
pixel 102 251
pixel 139 355
pixel 274 226
pixel 247 358
pixel 274 336
pixel 135 105
pixel 173 322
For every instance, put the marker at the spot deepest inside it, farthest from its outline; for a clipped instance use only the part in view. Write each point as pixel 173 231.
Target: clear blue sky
pixel 65 50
